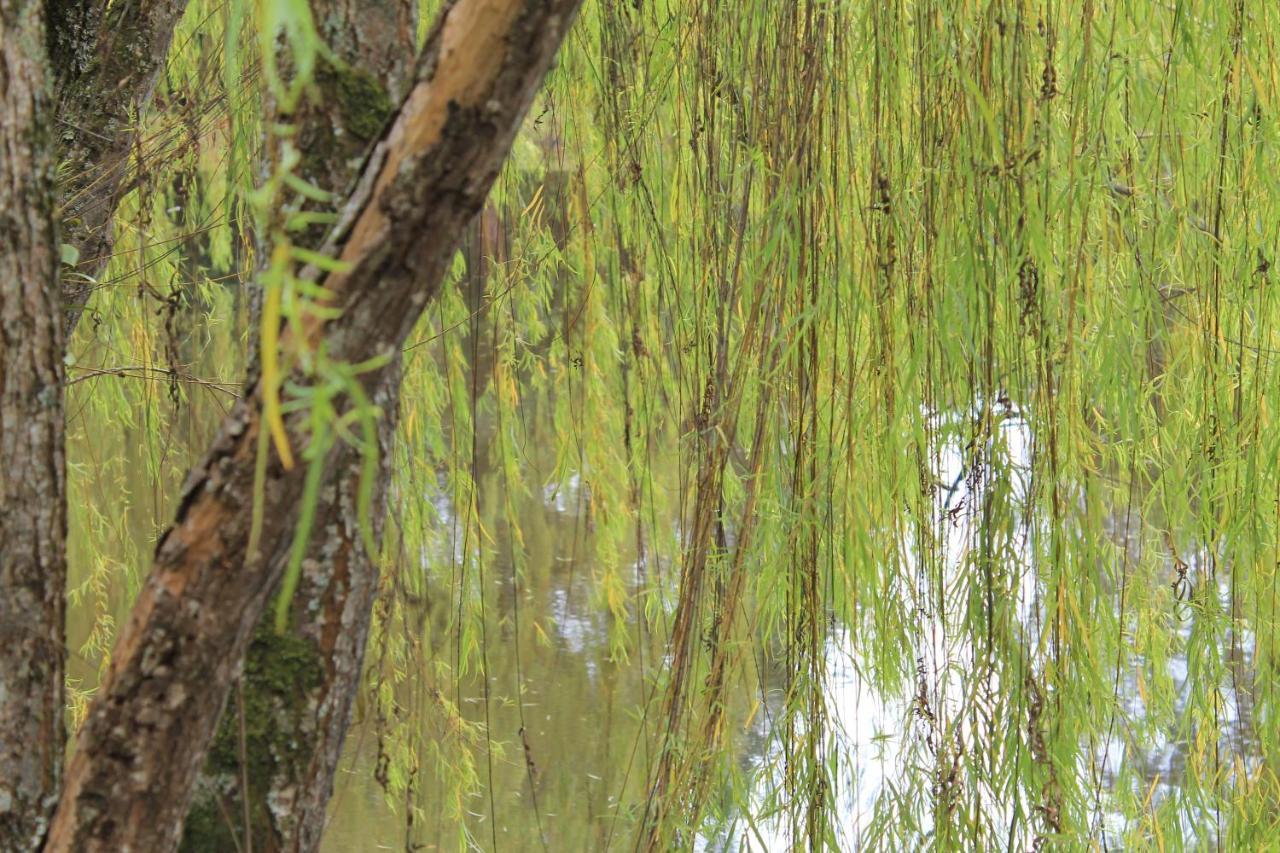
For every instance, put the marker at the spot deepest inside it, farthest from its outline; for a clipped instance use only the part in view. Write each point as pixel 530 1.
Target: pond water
pixel 572 736
pixel 572 725
pixel 562 714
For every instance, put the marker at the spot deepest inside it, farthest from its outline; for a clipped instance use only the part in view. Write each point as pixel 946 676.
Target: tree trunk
pixel 103 72
pixel 284 725
pixel 32 474
pixel 130 781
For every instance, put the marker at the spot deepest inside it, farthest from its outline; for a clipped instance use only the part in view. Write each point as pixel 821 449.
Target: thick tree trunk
pixel 108 59
pixel 130 781
pixel 32 475
pixel 282 731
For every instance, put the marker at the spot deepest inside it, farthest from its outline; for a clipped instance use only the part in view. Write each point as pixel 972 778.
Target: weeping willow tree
pixel 842 426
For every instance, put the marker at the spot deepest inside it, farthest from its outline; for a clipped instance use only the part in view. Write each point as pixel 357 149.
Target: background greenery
pixel 849 424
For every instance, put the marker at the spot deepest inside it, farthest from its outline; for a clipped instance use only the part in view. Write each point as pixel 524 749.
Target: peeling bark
pixel 295 702
pixel 108 59
pixel 32 473
pixel 130 781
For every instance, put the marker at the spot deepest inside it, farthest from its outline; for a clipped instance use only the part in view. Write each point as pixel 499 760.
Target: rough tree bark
pixel 32 477
pixel 295 694
pixel 101 66
pixel 107 60
pixel 130 781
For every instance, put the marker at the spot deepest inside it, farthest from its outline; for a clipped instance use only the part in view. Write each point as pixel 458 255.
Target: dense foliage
pixel 848 423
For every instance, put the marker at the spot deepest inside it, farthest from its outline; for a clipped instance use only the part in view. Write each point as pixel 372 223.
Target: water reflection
pixel 572 748
pixel 567 734
pixel 577 775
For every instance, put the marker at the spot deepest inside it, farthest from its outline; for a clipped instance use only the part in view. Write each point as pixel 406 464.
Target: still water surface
pixel 570 742
pixel 576 749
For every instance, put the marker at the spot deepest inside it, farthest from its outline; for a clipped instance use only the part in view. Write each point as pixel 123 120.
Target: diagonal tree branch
pixel 130 781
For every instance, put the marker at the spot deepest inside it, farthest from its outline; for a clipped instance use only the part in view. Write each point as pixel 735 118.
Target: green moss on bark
pixel 363 103
pixel 282 674
pixel 357 107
